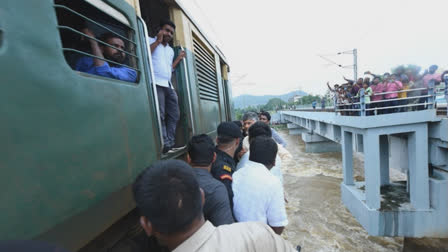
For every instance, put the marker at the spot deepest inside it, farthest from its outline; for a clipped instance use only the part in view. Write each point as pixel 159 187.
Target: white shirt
pixel 258 196
pixel 276 170
pixel 162 62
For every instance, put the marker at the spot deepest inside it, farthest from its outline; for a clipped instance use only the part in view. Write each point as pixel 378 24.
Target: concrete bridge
pixel 414 142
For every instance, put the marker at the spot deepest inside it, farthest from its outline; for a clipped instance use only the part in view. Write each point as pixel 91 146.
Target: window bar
pixel 97 40
pixel 93 56
pixel 92 21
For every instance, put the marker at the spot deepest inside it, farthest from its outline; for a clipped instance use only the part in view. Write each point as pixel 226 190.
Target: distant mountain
pixel 243 101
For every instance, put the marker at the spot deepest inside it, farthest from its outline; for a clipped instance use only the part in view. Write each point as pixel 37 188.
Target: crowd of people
pixel 404 90
pixel 226 197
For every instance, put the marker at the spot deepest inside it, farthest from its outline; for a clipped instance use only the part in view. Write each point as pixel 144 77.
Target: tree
pixel 274 104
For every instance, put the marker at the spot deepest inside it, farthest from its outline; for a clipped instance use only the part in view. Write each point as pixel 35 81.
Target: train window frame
pixel 120 20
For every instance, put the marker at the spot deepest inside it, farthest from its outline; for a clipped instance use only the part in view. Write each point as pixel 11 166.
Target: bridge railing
pixel 426 99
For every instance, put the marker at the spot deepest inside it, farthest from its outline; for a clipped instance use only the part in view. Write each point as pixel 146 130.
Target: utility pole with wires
pixel 355 61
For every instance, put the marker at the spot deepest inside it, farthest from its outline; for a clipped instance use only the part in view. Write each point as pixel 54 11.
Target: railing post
pixel 431 93
pixel 335 103
pixel 445 79
pixel 362 102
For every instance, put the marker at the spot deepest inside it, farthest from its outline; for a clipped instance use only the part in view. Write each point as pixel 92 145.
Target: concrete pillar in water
pixel 384 159
pixel 418 167
pixel 372 169
pixel 317 144
pixel 347 158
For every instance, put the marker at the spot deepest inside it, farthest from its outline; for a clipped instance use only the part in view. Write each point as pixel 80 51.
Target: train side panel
pixel 69 140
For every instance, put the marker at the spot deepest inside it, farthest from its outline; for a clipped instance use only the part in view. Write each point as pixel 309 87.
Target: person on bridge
pixel 162 59
pixel 392 86
pixel 108 59
pixel 201 155
pixel 322 103
pixel 170 202
pixel 367 94
pixel 228 140
pixel 314 103
pixel 265 117
pixel 258 193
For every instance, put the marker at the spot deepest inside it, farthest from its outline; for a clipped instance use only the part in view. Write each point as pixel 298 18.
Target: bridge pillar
pixel 318 144
pixel 372 170
pixel 384 160
pixel 347 158
pixel 418 167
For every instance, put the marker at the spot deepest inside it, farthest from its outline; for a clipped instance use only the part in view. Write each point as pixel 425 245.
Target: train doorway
pixel 153 12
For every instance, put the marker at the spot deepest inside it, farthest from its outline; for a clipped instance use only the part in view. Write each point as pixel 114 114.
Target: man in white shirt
pixel 258 194
pixel 163 65
pixel 256 130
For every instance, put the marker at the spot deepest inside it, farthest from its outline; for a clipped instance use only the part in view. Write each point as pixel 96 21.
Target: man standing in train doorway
pixel 163 66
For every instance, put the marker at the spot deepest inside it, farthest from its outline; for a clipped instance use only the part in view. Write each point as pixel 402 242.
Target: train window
pixel 97 39
pixel 205 71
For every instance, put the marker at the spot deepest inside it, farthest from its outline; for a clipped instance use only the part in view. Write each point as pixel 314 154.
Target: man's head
pixel 265 117
pixel 376 80
pixel 112 53
pixel 169 199
pixel 248 119
pixel 360 80
pixel 365 85
pixel 393 77
pixel 229 136
pixel 263 150
pixel 201 151
pixel 168 27
pixel 259 129
pixel 433 69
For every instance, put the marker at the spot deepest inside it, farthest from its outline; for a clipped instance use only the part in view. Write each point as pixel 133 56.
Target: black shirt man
pixel 201 155
pixel 228 140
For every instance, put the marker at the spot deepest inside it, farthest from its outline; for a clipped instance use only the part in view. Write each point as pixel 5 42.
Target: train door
pixel 226 92
pixel 154 11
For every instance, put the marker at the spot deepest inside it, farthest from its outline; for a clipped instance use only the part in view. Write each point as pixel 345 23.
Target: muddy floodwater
pixel 318 221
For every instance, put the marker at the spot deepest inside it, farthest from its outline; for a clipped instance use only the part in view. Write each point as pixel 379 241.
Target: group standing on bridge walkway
pixel 402 91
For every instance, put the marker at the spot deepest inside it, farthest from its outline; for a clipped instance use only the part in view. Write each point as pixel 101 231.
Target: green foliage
pixel 274 104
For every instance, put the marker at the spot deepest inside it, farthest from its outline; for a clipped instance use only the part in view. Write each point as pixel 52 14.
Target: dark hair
pixel 265 113
pixel 167 22
pixel 168 195
pixel 238 123
pixel 108 35
pixel 263 150
pixel 225 139
pixel 201 149
pixel 259 129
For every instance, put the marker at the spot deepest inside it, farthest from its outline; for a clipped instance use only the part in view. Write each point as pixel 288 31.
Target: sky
pixel 273 47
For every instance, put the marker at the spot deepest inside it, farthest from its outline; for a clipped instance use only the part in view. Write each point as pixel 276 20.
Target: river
pixel 318 221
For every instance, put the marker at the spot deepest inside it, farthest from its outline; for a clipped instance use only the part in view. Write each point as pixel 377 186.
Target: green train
pixel 72 143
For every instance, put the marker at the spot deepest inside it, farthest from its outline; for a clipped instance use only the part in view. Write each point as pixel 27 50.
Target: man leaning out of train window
pixel 97 66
